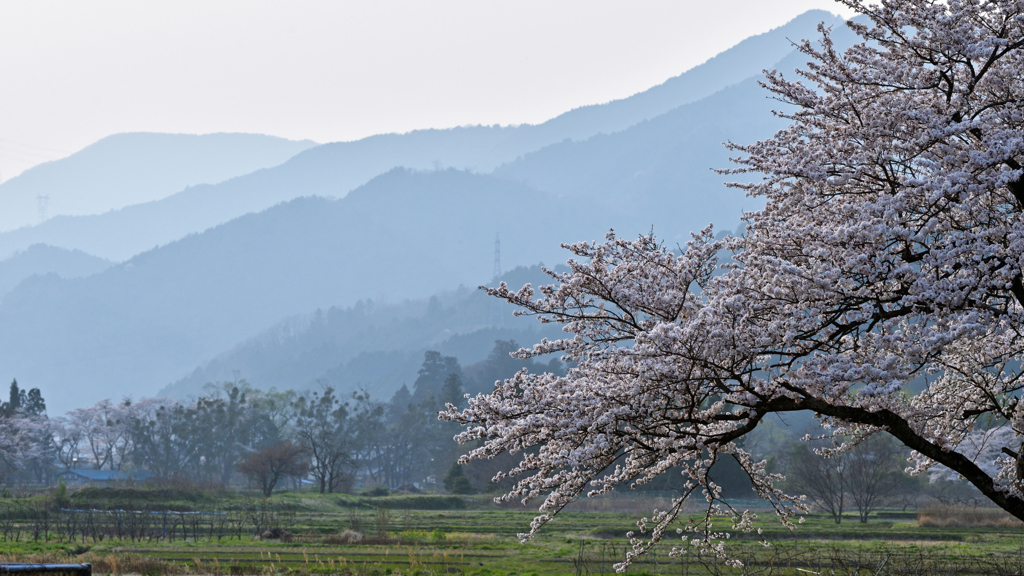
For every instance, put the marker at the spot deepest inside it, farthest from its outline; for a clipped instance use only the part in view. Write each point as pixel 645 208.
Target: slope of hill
pixel 659 169
pixel 127 169
pixel 137 326
pixel 658 173
pixel 748 58
pixel 334 169
pixel 377 347
pixel 40 259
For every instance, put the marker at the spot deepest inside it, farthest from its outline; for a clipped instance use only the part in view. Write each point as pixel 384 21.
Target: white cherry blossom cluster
pixel 888 258
pixel 20 437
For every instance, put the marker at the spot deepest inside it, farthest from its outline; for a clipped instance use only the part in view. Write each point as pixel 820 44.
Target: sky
pixel 73 72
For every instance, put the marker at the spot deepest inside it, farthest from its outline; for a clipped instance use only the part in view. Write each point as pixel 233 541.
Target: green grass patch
pixel 429 535
pixel 164 498
pixel 417 502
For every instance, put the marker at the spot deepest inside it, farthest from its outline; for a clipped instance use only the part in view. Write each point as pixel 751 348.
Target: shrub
pixel 420 502
pixel 345 537
pixel 277 534
pixel 964 517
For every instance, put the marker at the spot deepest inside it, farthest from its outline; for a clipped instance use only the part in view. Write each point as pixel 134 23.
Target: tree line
pixel 235 433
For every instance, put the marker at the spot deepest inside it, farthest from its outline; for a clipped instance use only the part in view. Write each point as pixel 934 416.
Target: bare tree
pixel 874 470
pixel 824 480
pixel 321 425
pixel 268 465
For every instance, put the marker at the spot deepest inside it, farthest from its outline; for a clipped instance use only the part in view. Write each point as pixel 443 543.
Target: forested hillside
pixel 40 259
pixel 373 346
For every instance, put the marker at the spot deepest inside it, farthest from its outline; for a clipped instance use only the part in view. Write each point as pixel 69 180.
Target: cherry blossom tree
pixel 888 254
pixel 20 443
pixel 104 429
pixel 984 447
pixel 68 438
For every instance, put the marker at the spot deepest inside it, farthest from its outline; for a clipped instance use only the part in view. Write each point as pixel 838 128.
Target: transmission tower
pixel 43 204
pixel 497 319
pixel 497 256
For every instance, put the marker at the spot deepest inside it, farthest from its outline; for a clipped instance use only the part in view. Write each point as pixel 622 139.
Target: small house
pixel 75 477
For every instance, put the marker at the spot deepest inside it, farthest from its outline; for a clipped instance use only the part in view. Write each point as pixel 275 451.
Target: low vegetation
pixel 229 532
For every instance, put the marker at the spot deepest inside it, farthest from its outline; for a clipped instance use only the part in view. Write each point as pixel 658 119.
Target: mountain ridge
pixel 130 168
pixel 135 327
pixel 334 169
pixel 40 259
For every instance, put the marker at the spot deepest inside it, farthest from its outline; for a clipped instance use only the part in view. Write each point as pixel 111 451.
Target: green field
pixel 430 535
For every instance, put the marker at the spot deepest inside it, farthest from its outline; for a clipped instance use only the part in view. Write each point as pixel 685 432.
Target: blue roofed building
pixel 86 477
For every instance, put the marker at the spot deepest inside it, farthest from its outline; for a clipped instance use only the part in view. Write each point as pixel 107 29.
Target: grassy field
pixel 309 533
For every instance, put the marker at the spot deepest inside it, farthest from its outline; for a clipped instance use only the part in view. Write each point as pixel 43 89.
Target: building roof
pixel 106 475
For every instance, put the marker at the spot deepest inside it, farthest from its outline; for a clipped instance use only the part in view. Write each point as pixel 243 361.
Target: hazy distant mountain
pixel 328 170
pixel 377 347
pixel 140 325
pixel 42 259
pixel 653 174
pixel 127 169
pixel 334 169
pixel 405 234
pixel 748 58
pixel 659 173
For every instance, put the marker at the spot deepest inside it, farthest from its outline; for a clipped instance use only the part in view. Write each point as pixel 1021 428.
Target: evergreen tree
pixel 14 403
pixel 455 481
pixel 34 404
pixel 451 392
pixel 20 401
pixel 399 403
pixel 433 374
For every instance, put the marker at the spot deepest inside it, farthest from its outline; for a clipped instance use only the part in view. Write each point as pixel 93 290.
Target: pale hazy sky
pixel 72 72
